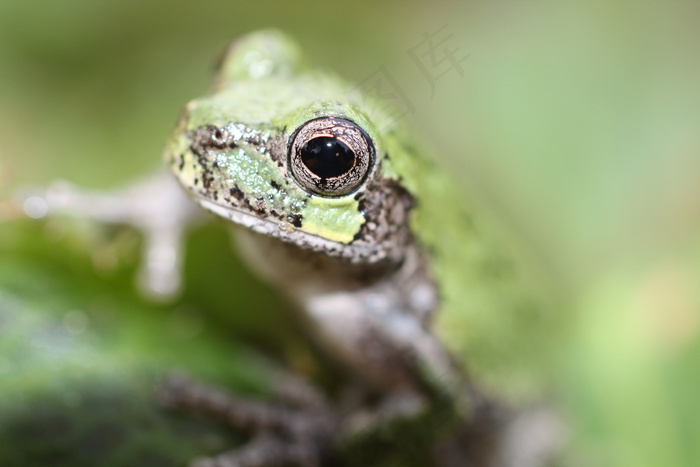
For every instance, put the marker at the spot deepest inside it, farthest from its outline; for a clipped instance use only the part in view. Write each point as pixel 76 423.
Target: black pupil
pixel 327 157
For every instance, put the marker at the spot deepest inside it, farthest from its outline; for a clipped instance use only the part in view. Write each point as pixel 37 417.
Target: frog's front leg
pixel 156 206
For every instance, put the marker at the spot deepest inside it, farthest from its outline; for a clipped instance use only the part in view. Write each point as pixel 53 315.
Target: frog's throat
pixel 290 234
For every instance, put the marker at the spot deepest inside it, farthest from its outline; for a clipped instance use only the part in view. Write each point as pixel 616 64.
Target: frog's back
pixel 489 316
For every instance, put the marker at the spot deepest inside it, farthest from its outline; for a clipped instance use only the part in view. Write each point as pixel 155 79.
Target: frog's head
pixel 279 150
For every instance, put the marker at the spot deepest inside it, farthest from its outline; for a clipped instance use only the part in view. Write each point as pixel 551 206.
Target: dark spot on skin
pixel 361 204
pixel 357 236
pixel 232 145
pixel 196 181
pixel 236 193
pixel 207 181
pixel 203 162
pixel 275 185
pixel 181 165
pixel 258 207
pixel 215 194
pixel 295 220
pixel 254 140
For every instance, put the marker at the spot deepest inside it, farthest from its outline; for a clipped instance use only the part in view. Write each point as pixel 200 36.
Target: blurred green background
pixel 576 124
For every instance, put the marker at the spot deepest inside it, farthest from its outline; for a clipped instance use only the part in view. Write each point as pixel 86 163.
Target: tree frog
pixel 391 272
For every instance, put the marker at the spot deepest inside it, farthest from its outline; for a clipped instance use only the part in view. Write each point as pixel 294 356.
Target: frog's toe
pixel 156 206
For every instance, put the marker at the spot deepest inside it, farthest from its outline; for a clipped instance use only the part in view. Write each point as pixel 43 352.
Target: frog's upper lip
pixel 288 233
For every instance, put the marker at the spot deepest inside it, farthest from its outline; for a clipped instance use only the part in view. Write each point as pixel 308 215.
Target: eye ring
pixel 330 156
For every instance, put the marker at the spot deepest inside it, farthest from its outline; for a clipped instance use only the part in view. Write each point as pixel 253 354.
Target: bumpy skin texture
pixel 230 151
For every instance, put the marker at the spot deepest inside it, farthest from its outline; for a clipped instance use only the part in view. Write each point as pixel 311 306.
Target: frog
pixel 389 269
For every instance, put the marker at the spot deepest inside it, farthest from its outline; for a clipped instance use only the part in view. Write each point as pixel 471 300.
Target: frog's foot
pixel 156 206
pixel 299 431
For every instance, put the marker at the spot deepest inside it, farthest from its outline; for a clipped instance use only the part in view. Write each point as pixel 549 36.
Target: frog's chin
pixel 286 232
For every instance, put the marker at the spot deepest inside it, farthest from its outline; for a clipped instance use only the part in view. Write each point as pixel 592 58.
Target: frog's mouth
pixel 285 231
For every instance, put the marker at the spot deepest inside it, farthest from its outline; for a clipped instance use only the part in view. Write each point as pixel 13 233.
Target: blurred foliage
pixel 574 124
pixel 82 356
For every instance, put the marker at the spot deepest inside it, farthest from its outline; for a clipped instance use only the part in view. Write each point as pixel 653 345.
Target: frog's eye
pixel 330 156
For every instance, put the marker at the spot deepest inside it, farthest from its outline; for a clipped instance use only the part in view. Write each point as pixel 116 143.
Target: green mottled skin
pixel 338 218
pixel 486 316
